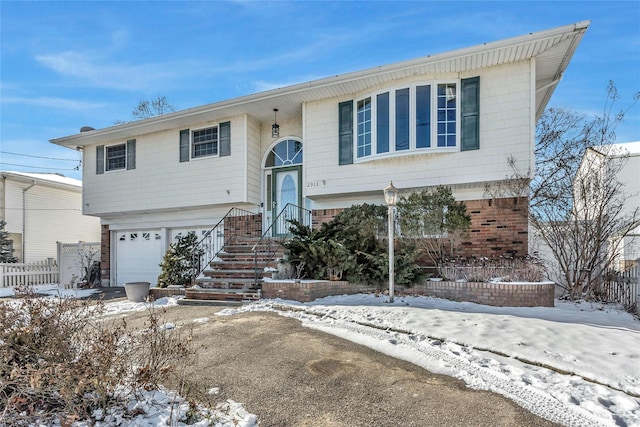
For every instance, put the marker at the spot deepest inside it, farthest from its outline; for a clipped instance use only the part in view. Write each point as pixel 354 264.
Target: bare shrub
pixel 485 269
pixel 62 362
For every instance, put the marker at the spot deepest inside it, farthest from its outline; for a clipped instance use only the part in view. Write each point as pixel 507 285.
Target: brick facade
pixel 498 227
pixel 243 226
pixel 105 255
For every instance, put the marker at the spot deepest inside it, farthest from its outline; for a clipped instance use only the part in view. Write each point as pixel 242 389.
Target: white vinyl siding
pixel 53 213
pixel 505 115
pixel 163 182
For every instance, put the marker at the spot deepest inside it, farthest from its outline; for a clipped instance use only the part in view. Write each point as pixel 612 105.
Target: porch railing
pixel 276 234
pixel 236 223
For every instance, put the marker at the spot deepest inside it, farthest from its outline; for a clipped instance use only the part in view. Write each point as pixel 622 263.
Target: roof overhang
pixel 552 50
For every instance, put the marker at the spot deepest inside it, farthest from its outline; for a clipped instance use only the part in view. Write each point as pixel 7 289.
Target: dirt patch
pixel 289 375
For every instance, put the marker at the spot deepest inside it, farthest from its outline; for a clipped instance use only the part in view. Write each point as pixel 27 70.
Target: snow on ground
pixel 54 290
pixel 576 364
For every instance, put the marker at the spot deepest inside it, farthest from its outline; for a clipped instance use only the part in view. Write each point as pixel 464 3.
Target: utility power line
pixel 39 157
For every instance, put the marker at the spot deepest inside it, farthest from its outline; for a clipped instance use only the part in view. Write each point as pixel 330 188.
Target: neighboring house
pixel 41 209
pixel 449 119
pixel 628 176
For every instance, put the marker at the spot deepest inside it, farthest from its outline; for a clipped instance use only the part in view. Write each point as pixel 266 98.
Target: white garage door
pixel 138 255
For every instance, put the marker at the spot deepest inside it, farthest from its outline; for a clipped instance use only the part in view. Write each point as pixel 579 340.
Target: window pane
pixel 116 157
pixel 423 116
pixel 447 115
pixel 382 123
pixel 402 119
pixel 364 127
pixel 205 142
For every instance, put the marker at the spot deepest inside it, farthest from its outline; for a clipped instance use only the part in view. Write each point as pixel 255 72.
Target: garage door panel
pixel 138 255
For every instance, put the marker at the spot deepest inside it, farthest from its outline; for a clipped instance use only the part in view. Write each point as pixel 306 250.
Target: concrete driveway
pixel 289 375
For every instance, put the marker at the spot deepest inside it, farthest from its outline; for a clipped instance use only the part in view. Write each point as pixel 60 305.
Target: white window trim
pixel 208 156
pixel 106 158
pixel 413 150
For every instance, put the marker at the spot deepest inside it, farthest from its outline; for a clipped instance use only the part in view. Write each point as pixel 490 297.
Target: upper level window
pixel 447 115
pixel 364 127
pixel 116 157
pixel 400 120
pixel 420 118
pixel 212 141
pixel 205 142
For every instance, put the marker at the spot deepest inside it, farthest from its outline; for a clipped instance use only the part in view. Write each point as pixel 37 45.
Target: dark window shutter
pixel 470 114
pixel 184 145
pixel 99 159
pixel 131 154
pixel 345 132
pixel 225 139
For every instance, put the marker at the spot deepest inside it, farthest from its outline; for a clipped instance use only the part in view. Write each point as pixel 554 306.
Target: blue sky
pixel 68 64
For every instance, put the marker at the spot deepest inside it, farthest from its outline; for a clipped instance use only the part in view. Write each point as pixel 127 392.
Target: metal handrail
pixel 214 240
pixel 277 233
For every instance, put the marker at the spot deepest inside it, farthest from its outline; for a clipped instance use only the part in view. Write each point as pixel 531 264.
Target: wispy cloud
pixel 90 71
pixel 53 102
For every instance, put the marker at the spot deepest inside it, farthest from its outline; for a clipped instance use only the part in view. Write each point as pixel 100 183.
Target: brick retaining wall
pixel 496 294
pixel 306 290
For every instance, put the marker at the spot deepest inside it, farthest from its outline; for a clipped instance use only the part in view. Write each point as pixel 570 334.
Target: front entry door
pixel 286 190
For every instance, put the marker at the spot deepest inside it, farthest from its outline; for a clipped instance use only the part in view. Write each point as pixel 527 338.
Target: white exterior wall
pixel 630 177
pixel 53 213
pixel 162 181
pixel 254 158
pixel 505 130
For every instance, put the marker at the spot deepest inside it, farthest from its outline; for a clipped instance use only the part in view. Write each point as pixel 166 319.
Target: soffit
pixel 552 50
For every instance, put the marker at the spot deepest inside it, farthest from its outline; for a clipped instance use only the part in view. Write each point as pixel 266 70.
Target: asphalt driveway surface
pixel 289 375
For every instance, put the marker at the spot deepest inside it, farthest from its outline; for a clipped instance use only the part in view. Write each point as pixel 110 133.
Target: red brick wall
pixel 496 294
pixel 243 226
pixel 105 255
pixel 498 227
pixel 306 291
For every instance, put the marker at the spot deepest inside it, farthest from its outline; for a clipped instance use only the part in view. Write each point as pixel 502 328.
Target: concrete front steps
pixel 235 276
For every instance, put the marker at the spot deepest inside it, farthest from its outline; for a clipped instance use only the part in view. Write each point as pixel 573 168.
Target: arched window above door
pixel 285 153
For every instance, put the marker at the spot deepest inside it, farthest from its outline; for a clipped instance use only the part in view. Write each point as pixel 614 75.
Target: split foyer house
pixel 449 119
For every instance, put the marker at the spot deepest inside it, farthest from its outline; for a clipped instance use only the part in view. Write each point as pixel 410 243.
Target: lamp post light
pixel 391 198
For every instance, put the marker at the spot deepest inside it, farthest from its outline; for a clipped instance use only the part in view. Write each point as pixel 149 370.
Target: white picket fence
pixel 34 273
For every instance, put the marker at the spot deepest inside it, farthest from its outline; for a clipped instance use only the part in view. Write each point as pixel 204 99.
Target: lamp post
pixel 391 198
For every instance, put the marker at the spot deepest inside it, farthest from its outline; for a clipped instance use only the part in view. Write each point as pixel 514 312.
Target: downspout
pixel 24 220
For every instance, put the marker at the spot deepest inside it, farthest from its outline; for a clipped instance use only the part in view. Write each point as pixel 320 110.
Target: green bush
pixel 355 243
pixel 181 262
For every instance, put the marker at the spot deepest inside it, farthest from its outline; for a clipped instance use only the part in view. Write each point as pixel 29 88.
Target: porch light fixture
pixel 391 198
pixel 275 127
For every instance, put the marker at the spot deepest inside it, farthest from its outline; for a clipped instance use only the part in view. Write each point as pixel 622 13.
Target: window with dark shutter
pixel 345 132
pixel 184 145
pixel 131 154
pixel 225 139
pixel 470 114
pixel 99 159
